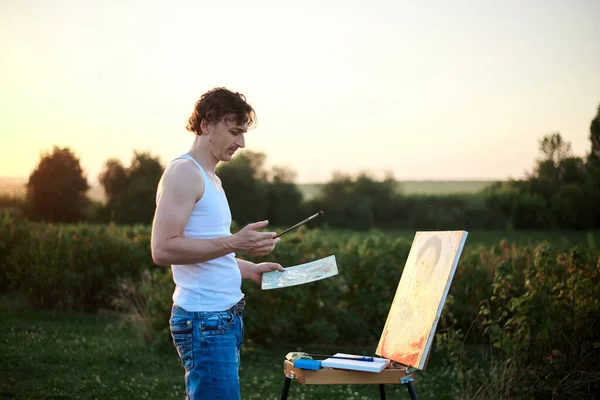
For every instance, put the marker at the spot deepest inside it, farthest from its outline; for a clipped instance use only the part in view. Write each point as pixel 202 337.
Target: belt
pixel 239 307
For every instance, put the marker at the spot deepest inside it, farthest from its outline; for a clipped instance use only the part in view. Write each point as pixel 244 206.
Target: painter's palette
pixel 420 297
pixel 299 274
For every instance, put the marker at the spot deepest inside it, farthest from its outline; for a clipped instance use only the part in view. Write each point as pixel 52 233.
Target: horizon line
pixel 21 178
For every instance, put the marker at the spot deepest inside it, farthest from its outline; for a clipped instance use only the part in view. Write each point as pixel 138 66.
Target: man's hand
pixel 255 271
pixel 251 242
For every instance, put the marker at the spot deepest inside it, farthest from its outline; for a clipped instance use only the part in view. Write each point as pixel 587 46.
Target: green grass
pixel 51 355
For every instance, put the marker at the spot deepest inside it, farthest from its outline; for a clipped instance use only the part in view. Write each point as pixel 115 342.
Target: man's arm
pixel 250 270
pixel 177 195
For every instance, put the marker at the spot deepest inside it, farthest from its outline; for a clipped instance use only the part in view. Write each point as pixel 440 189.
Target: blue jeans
pixel 209 344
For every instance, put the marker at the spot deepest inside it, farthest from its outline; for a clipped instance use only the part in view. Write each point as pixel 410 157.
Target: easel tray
pixel 326 376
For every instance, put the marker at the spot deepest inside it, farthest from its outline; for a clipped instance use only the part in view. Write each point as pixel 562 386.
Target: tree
pixel 244 182
pixel 56 190
pixel 594 157
pixel 556 167
pixel 554 148
pixel 560 193
pixel 359 203
pixel 256 194
pixel 284 199
pixel 592 184
pixel 131 191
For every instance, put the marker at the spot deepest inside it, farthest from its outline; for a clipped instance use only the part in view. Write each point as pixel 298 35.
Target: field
pixel 16 186
pixel 484 238
pixel 514 297
pixel 12 186
pixel 55 355
pixel 416 187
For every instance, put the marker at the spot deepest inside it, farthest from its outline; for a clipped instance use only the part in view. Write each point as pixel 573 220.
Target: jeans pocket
pixel 217 323
pixel 182 332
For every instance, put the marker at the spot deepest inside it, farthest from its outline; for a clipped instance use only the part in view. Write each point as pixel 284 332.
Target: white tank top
pixel 214 285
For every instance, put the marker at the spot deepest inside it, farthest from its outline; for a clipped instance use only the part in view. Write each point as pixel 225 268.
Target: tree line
pixel 561 192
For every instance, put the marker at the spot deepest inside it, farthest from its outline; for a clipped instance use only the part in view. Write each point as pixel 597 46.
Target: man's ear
pixel 204 124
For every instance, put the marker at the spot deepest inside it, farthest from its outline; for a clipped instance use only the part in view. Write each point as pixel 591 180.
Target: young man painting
pixel 191 233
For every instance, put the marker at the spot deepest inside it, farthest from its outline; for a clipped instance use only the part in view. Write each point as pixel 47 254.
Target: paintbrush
pixel 357 358
pixel 300 223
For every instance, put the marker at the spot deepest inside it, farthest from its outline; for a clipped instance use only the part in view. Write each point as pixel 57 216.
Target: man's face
pixel 225 137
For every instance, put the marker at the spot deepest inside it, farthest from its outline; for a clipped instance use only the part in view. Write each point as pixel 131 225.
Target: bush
pixel 533 309
pixel 69 267
pixel 541 323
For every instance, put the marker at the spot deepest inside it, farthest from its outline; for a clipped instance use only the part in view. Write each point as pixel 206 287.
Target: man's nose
pixel 241 142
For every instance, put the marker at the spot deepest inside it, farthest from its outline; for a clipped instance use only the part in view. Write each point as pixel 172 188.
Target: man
pixel 191 232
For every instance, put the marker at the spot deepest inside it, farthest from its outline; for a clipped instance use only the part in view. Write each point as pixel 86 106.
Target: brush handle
pixel 369 359
pixel 299 224
pixel 344 358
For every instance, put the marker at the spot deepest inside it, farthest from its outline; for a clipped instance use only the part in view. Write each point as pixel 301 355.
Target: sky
pixel 448 90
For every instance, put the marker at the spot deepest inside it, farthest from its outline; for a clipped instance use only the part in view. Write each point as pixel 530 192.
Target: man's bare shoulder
pixel 182 174
pixel 182 168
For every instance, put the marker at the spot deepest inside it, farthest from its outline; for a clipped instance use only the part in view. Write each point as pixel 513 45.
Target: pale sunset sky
pixel 437 89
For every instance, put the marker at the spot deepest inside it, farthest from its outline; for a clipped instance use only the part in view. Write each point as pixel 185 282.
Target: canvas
pixel 411 323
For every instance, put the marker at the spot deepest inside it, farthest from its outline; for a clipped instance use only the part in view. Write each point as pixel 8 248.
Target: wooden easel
pixel 411 323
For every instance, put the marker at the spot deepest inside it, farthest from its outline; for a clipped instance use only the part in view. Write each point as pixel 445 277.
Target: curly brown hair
pixel 215 104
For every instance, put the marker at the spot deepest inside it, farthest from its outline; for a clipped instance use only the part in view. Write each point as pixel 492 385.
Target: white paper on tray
pixel 377 365
pixel 299 274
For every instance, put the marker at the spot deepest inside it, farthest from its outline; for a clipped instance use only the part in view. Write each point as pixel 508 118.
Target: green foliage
pixel 255 194
pixel 364 203
pixel 534 305
pixel 542 316
pixel 284 199
pixel 429 212
pixel 145 302
pixel 347 308
pixel 15 205
pixel 131 191
pixel 357 203
pixel 594 155
pixel 561 193
pixel 554 149
pixel 69 267
pixel 56 190
pixel 243 180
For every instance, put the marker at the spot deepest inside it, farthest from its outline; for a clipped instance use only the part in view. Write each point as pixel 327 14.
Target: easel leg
pixel 411 389
pixel 286 388
pixel 382 392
